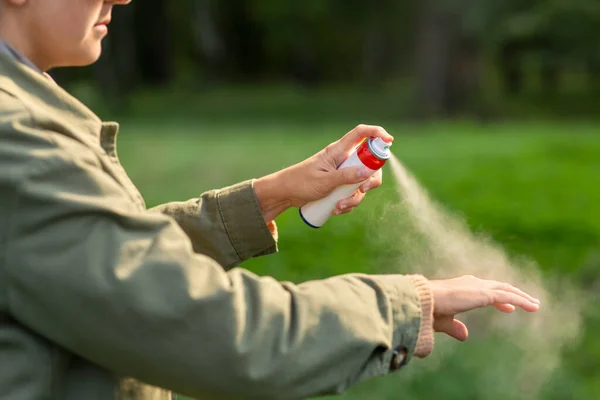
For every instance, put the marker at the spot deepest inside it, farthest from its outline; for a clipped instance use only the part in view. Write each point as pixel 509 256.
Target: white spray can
pixel 372 154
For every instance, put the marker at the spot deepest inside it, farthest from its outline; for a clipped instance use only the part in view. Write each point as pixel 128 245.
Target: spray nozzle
pixel 380 148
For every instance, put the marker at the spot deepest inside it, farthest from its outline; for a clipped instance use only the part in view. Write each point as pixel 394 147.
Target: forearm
pixel 149 308
pixel 243 337
pixel 226 225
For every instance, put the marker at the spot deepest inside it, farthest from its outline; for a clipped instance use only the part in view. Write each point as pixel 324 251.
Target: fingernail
pixel 343 207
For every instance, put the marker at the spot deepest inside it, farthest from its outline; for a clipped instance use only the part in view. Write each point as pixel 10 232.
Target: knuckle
pixel 507 287
pixel 489 296
pixel 330 148
pixel 327 152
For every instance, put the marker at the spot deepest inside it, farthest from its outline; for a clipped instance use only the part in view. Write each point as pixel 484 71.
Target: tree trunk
pixel 464 80
pixel 376 54
pixel 117 69
pixel 305 68
pixel 510 67
pixel 210 50
pixel 550 78
pixel 448 62
pixel 593 67
pixel 244 39
pixel 434 44
pixel 153 39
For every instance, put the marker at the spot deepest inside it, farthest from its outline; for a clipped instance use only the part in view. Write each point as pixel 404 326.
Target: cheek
pixel 69 25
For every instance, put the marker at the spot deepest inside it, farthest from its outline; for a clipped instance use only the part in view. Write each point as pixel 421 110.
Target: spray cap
pixel 379 148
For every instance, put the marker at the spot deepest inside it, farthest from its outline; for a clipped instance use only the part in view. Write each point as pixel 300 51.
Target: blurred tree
pixel 153 38
pixel 558 34
pixel 387 30
pixel 452 43
pixel 210 48
pixel 293 33
pixel 117 70
pixel 433 55
pixel 448 58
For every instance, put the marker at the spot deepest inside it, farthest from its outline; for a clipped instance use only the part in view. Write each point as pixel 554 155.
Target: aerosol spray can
pixel 372 154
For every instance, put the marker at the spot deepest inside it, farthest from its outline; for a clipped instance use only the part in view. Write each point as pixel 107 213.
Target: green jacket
pixel 99 294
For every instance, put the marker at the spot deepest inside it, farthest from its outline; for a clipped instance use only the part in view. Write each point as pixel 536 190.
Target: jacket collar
pixel 5 48
pixel 48 103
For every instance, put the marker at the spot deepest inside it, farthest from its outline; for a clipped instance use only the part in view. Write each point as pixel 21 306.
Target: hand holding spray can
pixel 372 154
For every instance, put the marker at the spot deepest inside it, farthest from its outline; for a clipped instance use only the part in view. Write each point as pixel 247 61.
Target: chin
pixel 91 56
pixel 87 57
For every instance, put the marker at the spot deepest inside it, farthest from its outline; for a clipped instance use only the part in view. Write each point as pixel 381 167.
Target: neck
pixel 19 40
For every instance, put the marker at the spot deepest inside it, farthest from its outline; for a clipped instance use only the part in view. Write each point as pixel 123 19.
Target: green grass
pixel 534 187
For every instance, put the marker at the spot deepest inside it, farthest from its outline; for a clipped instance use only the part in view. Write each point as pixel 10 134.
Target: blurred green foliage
pixel 438 57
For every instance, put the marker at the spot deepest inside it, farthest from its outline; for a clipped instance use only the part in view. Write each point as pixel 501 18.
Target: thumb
pixel 350 175
pixel 452 327
pixel 344 147
pixel 459 330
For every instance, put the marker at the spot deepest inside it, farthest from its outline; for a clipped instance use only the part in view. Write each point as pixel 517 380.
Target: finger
pixel 373 183
pixel 505 308
pixel 510 288
pixel 459 330
pixel 502 297
pixel 451 327
pixel 343 147
pixel 350 176
pixel 344 211
pixel 443 324
pixel 351 201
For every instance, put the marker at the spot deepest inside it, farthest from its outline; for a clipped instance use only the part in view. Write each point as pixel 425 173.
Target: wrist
pixel 270 192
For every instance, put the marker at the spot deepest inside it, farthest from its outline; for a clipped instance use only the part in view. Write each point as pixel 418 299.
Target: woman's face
pixel 65 32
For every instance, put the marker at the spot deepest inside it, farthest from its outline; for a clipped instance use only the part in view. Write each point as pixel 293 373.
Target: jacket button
pixel 398 358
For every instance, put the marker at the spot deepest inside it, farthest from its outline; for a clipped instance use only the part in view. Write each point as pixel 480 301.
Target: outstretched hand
pixel 454 296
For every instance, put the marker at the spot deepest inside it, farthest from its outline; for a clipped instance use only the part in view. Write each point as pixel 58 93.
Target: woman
pixel 98 294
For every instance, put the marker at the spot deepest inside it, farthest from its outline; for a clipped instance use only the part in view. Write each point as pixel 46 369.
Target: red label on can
pixel 368 159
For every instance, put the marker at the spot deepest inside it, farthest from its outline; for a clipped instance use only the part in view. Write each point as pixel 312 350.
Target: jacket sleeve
pixel 125 290
pixel 226 225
